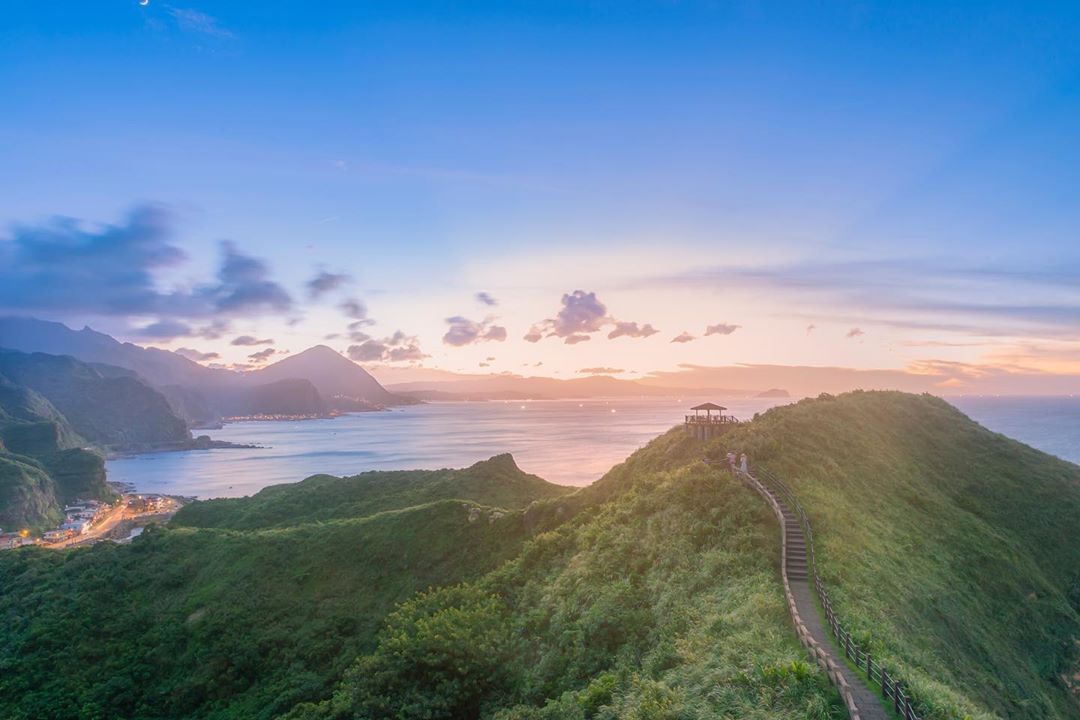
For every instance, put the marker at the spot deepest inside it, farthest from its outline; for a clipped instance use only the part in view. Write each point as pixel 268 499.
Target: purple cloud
pixel 683 337
pixel 632 329
pixel 399 347
pixel 166 330
pixel 721 329
pixel 262 355
pixel 356 310
pixel 249 340
pixel 113 270
pixel 197 356
pixel 581 315
pixel 468 332
pixel 325 282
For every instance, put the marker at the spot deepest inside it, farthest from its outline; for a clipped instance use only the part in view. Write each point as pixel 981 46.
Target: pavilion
pixel 714 422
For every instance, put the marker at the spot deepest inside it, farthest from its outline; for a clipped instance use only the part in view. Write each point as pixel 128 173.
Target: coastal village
pixel 89 521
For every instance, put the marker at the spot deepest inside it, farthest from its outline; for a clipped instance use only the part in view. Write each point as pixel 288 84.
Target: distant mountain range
pixel 314 382
pixel 516 387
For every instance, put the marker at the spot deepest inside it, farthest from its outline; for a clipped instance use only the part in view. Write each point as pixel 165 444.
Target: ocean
pixel 570 442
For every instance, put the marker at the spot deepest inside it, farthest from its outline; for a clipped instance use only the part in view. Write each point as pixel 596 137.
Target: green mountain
pixel 195 622
pixel 951 551
pixel 496 482
pixel 42 466
pixel 108 406
pixel 28 497
pixel 954 551
pixel 652 594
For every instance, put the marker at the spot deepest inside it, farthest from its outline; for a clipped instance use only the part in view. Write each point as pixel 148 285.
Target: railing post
pixel 891 688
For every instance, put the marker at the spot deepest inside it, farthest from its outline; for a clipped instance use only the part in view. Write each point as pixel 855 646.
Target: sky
pixel 553 188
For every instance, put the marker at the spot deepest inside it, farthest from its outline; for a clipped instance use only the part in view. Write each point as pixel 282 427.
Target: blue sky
pixel 906 169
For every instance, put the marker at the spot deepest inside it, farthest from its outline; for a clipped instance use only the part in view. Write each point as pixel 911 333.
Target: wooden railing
pixel 711 420
pixel 892 689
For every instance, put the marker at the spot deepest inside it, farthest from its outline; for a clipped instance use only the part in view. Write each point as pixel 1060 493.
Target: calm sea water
pixel 569 442
pixel 566 442
pixel 1051 424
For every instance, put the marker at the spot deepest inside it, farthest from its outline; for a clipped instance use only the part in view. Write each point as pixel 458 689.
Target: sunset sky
pixel 553 188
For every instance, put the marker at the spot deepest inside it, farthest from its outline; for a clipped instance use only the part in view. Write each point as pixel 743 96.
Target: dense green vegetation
pixel 217 623
pixel 496 482
pixel 658 599
pixel 951 551
pixel 110 407
pixel 42 466
pixel 28 497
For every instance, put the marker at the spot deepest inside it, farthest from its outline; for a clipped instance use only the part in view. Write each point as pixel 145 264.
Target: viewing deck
pixel 714 422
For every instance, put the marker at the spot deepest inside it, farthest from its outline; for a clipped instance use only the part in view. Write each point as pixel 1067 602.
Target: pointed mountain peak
pixel 330 371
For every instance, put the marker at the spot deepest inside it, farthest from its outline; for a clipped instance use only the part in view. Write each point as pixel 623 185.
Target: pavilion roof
pixel 708 406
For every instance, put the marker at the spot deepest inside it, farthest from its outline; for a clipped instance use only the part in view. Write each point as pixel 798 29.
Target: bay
pixel 570 442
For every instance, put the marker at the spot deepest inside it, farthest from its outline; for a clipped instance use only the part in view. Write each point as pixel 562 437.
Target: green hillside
pixel 109 408
pixel 950 550
pixel 28 497
pixel 214 623
pixel 192 622
pixel 659 598
pixel 496 482
pixel 42 466
pixel 25 420
pixel 953 550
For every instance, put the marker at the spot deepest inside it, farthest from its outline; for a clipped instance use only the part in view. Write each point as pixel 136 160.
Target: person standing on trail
pixel 743 465
pixel 731 460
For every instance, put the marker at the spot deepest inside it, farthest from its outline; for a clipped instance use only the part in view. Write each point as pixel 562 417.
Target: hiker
pixel 743 465
pixel 731 460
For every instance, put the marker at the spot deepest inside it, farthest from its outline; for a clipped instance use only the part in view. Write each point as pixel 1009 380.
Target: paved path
pixel 799 580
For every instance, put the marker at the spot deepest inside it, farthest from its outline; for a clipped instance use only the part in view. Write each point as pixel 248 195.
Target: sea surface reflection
pixel 570 442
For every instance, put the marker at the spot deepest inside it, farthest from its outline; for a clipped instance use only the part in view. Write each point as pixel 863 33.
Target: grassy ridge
pixel 658 599
pixel 496 482
pixel 953 551
pixel 212 623
pixel 654 593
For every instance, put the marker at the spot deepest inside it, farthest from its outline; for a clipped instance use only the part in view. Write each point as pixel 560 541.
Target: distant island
pixel 774 393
